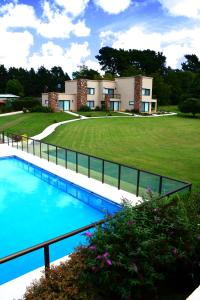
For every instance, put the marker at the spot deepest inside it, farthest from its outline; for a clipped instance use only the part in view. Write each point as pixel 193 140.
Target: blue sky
pixel 69 33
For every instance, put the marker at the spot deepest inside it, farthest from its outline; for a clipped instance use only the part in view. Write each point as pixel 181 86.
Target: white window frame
pixel 146 92
pixel 90 91
pixel 89 103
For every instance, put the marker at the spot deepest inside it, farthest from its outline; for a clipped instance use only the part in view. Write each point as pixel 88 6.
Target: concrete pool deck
pixel 15 289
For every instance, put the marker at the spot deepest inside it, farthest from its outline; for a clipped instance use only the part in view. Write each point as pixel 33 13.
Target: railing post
pixel 33 147
pixel 160 185
pixel 48 152
pixel 46 260
pixel 27 143
pixel 119 177
pixel 3 137
pixel 17 143
pixel 8 138
pixel 56 155
pixel 12 139
pixel 40 150
pixel 66 158
pixel 103 166
pixel 76 162
pixel 88 166
pixel 138 183
pixel 22 145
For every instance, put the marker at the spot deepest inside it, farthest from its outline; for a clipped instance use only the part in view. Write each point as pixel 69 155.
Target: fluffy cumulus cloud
pixel 11 51
pixel 174 44
pixel 73 7
pixel 187 8
pixel 52 54
pixel 113 6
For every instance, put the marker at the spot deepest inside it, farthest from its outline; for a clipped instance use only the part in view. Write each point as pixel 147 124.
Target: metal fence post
pixel 160 185
pixel 119 177
pixel 103 166
pixel 27 143
pixel 3 137
pixel 40 150
pixel 33 147
pixel 12 139
pixel 88 166
pixel 46 260
pixel 56 155
pixel 138 183
pixel 48 152
pixel 66 158
pixel 76 162
pixel 8 138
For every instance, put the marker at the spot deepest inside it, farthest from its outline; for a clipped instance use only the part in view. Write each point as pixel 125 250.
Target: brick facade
pixel 53 101
pixel 137 93
pixel 81 93
pixel 107 102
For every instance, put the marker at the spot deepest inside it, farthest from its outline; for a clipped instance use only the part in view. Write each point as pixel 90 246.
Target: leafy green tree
pixel 14 86
pixel 3 78
pixel 192 63
pixel 86 73
pixel 191 105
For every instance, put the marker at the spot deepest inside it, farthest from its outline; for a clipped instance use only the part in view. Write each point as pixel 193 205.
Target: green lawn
pixel 31 123
pixel 99 113
pixel 167 145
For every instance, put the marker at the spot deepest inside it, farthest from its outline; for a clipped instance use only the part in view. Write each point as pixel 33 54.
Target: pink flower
pixel 109 262
pixel 106 254
pixel 88 234
pixel 99 257
pixel 198 237
pixel 93 247
pixel 174 251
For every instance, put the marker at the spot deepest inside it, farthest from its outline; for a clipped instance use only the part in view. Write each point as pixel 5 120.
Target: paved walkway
pixel 12 113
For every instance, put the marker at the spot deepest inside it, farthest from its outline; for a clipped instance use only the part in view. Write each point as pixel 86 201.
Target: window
pixel 145 107
pixel 90 104
pixel 90 91
pixel 131 102
pixel 108 91
pixel 145 92
pixel 46 102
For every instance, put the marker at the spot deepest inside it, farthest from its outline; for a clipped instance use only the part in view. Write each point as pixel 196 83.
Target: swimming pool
pixel 35 206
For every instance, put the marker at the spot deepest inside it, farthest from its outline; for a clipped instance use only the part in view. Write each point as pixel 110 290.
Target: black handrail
pixel 46 245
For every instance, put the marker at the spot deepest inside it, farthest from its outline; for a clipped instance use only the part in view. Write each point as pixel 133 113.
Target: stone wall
pixel 107 102
pixel 81 92
pixel 137 93
pixel 53 101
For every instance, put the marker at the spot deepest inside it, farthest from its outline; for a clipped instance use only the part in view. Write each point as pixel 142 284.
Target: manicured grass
pixel 31 123
pixel 166 145
pixel 99 113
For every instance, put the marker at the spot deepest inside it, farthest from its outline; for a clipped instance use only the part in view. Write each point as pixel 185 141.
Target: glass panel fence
pixel 52 153
pixel 37 148
pixel 44 151
pixel 96 166
pixel 128 180
pixel 71 160
pixel 83 163
pixel 169 185
pixel 111 173
pixel 61 156
pixel 149 183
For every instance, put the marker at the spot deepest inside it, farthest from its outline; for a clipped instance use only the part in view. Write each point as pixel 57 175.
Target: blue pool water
pixel 35 206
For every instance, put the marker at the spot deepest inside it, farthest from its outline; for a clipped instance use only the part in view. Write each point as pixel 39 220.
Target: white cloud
pixel 15 16
pixel 187 8
pixel 12 54
pixel 174 44
pixel 51 55
pixel 113 6
pixel 74 7
pixel 80 29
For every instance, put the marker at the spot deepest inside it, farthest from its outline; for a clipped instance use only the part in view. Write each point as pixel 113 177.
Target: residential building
pixel 120 94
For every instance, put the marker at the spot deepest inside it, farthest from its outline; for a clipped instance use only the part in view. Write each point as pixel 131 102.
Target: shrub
pixel 40 108
pixel 131 256
pixel 97 108
pixel 191 105
pixel 28 104
pixel 84 108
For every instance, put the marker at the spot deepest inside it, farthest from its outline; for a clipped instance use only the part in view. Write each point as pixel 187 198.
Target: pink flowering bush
pixel 136 255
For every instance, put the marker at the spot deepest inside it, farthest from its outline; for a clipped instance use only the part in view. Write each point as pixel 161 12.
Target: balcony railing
pixel 112 96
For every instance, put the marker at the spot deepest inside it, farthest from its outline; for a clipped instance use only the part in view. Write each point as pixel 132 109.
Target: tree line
pixel 26 83
pixel 170 86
